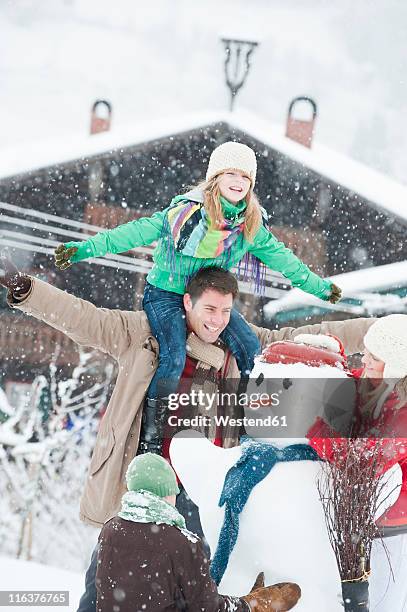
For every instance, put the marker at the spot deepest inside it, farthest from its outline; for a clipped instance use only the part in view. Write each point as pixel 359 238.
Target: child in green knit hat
pixel 152 489
pixel 148 561
pixel 152 473
pixel 218 224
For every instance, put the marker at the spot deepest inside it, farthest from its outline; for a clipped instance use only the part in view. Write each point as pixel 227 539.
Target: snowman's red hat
pixel 312 350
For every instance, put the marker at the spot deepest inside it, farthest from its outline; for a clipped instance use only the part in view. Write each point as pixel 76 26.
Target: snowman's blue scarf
pixel 255 463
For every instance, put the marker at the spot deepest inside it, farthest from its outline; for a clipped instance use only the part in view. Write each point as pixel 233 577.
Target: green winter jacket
pixel 146 230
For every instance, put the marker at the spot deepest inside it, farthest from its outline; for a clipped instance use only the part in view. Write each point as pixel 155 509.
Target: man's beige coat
pixel 126 336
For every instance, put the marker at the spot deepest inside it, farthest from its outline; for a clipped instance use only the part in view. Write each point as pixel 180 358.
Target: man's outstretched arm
pixel 350 332
pixel 87 325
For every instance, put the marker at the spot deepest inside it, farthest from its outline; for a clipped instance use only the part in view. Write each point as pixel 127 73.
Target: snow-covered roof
pixel 381 190
pixel 353 284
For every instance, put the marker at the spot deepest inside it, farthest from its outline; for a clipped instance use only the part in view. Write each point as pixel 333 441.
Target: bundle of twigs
pixel 352 494
pixel 349 491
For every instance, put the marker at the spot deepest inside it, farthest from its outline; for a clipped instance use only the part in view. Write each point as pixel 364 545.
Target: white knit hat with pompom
pixel 386 339
pixel 232 156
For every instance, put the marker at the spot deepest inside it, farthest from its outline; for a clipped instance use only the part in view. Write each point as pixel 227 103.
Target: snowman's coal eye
pixel 287 383
pixel 259 379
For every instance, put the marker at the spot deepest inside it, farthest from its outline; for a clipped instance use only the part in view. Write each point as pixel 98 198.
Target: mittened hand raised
pixel 277 598
pixel 336 294
pixel 62 256
pixel 12 279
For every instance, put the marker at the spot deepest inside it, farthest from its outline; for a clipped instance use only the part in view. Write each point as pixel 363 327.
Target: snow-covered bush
pixel 44 455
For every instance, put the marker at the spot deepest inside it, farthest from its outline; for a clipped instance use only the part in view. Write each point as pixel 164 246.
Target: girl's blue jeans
pixel 166 315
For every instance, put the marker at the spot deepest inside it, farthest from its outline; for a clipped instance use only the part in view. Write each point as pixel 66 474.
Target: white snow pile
pixel 320 341
pixel 18 575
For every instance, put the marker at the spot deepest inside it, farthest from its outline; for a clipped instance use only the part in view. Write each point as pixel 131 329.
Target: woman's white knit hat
pixel 386 339
pixel 232 156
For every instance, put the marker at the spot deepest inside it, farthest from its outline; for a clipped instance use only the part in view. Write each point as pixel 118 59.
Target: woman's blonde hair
pixel 401 390
pixel 213 207
pixel 370 396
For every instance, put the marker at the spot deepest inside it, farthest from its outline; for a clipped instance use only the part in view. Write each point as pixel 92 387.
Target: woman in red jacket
pixel 382 392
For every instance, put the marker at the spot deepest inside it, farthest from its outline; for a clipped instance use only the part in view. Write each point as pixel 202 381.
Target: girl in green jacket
pixel 221 224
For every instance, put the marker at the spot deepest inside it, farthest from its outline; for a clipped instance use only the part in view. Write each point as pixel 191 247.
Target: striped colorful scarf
pixel 188 231
pixel 195 235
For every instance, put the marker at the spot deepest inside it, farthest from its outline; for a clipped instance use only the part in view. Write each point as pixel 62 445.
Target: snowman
pixel 271 478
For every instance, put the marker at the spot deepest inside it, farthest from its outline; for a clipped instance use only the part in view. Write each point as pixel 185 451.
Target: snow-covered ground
pixel 163 59
pixel 19 575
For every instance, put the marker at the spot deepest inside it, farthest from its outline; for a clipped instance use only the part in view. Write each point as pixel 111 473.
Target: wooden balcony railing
pixel 33 343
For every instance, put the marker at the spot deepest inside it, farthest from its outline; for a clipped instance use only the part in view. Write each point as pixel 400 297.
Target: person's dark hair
pixel 212 278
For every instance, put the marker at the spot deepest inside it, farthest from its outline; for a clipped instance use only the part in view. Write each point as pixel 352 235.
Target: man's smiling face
pixel 208 316
pixel 234 185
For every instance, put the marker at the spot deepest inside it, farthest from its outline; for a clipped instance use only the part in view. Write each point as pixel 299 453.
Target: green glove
pixel 63 255
pixel 336 294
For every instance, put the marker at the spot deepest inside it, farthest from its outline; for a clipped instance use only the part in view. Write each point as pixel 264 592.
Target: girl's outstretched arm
pixel 119 239
pixel 280 258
